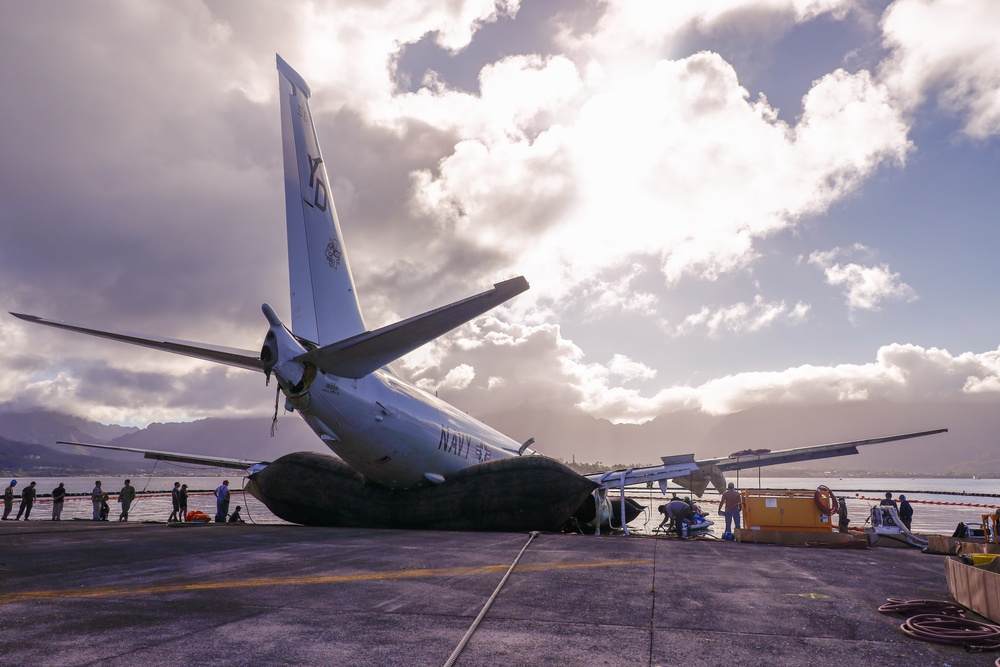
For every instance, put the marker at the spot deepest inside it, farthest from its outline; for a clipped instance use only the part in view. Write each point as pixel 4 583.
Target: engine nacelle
pixel 277 353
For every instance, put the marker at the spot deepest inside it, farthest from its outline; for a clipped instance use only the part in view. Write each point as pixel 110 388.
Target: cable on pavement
pixel 475 624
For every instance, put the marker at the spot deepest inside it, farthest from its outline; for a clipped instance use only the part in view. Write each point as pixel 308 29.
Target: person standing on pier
pixel 175 499
pixel 888 501
pixel 905 511
pixel 182 498
pixel 97 497
pixel 8 498
pixel 125 497
pixel 842 513
pixel 58 497
pixel 222 502
pixel 732 500
pixel 27 500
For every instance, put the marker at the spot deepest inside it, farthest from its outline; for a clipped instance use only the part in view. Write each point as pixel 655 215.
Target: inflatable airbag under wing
pixel 515 494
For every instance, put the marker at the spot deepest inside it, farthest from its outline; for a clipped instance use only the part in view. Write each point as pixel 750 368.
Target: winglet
pixel 293 77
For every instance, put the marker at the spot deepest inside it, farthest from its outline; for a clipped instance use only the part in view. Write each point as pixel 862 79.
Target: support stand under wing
pixel 673 466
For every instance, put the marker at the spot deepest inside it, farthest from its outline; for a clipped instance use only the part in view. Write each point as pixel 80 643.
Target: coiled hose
pixel 914 607
pixel 955 630
pixel 944 622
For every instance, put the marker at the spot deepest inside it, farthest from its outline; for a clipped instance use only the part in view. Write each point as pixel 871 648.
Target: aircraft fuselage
pixel 394 433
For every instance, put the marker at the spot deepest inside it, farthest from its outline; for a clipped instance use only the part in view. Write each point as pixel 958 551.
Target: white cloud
pixel 865 287
pixel 573 169
pixel 346 49
pixel 633 31
pixel 899 373
pixel 627 369
pixel 537 362
pixel 635 168
pixel 741 317
pixel 947 48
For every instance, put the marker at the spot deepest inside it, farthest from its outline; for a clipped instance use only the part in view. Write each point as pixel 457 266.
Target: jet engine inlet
pixel 269 352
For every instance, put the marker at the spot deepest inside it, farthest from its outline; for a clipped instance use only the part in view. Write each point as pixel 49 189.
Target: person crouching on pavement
pixel 676 511
pixel 235 518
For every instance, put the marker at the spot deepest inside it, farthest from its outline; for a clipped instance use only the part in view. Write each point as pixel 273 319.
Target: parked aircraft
pixel 404 457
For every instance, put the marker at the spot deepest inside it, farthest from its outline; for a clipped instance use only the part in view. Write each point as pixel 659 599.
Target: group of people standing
pixel 126 498
pixel 904 509
pixel 677 511
pixel 99 498
pixel 28 497
pixel 27 501
pixel 730 505
pixel 222 514
pixel 179 500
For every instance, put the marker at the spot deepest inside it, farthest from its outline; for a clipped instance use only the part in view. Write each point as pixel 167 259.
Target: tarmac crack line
pixel 652 607
pixel 156 589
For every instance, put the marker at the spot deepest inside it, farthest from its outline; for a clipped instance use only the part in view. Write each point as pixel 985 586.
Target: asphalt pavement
pixel 85 593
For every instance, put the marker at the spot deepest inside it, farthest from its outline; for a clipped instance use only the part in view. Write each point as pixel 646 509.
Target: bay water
pixel 939 504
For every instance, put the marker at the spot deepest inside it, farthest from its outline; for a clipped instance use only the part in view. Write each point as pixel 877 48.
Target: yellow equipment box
pixel 788 510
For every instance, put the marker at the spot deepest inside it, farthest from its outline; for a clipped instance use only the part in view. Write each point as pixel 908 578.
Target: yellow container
pixel 982 559
pixel 787 510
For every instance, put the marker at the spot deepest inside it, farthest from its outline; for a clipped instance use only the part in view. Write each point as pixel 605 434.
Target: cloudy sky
pixel 717 204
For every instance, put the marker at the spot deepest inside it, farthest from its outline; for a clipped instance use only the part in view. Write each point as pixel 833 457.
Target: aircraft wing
pixel 696 475
pixel 360 355
pixel 756 458
pixel 673 466
pixel 223 355
pixel 214 461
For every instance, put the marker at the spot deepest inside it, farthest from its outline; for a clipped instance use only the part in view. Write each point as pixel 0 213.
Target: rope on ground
pixel 475 624
pixel 246 505
pixel 145 486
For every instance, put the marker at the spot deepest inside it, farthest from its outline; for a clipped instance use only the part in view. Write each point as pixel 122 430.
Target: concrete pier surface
pixel 84 593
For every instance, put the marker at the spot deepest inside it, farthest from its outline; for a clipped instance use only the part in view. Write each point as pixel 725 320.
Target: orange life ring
pixel 823 509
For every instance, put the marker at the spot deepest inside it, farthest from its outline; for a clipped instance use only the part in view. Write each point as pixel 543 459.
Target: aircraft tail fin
pixel 325 307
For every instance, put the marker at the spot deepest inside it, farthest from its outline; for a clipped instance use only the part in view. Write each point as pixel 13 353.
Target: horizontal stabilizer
pixel 360 355
pixel 214 461
pixel 215 353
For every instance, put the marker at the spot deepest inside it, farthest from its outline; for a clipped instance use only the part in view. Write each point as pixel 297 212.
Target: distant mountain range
pixel 970 448
pixel 27 442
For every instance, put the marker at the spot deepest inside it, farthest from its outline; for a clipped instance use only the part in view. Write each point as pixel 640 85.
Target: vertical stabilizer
pixel 325 306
